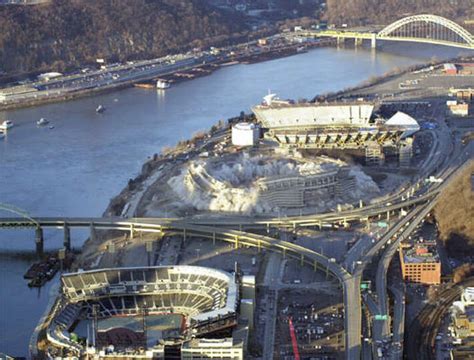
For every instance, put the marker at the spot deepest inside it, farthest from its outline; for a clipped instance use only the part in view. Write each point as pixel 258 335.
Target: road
pixel 272 276
pixel 381 330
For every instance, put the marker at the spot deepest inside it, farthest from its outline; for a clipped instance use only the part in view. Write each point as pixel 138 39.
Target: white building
pixel 405 122
pixel 48 76
pixel 213 349
pixel 279 114
pixel 245 134
pixel 467 296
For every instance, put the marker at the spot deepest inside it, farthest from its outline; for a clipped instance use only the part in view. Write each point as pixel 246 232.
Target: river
pixel 77 167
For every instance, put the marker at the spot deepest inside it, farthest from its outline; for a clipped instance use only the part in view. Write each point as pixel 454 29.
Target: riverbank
pixel 210 64
pixel 392 75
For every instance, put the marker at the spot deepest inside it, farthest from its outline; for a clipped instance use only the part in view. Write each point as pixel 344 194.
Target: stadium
pixel 164 312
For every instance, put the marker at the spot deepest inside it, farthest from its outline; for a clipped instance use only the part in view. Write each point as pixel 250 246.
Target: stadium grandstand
pixel 144 312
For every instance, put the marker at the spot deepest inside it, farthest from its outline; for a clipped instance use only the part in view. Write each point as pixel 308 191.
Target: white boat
pixel 7 124
pixel 162 84
pixel 100 109
pixel 42 122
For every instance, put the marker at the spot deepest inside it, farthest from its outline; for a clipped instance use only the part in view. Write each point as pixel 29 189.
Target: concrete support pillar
pixel 149 250
pixel 67 237
pixel 39 241
pixel 236 242
pixel 132 231
pixel 302 260
pixel 373 41
pixel 320 224
pixel 357 42
pixel 388 215
pixel 268 228
pixel 92 233
pixel 259 245
pixel 284 253
pixel 361 204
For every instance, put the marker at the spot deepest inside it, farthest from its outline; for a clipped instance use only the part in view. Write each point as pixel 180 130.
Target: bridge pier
pixel 373 41
pixel 67 237
pixel 340 41
pixel 149 250
pixel 39 241
pixel 92 233
pixel 357 42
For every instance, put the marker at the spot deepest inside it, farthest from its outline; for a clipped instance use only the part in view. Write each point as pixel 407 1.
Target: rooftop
pixel 425 252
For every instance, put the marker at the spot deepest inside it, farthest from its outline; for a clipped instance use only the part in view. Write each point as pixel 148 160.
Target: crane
pixel 294 343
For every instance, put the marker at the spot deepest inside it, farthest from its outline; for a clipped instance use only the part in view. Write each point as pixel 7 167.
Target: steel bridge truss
pixel 427 28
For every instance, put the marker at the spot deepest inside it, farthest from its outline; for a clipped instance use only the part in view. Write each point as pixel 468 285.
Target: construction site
pixel 286 159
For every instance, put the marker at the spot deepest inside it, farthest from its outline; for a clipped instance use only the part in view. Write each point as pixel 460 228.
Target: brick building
pixel 420 263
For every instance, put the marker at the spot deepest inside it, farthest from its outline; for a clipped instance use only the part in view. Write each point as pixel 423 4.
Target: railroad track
pixel 421 335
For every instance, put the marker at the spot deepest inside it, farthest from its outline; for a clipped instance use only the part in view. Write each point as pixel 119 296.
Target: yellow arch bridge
pixel 429 29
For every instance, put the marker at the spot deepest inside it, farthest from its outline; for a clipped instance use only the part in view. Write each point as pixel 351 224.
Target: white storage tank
pixel 245 134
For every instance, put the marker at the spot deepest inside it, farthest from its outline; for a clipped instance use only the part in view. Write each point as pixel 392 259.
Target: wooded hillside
pixel 454 214
pixel 69 33
pixel 356 12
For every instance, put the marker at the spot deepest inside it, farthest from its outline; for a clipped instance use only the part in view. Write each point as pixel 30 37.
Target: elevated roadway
pixel 381 329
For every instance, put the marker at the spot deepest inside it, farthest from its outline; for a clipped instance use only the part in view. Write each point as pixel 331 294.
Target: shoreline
pixel 272 54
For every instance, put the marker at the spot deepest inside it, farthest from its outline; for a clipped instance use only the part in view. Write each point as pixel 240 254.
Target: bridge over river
pixel 425 28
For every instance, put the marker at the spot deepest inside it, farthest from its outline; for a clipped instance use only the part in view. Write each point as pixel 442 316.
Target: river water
pixel 77 167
